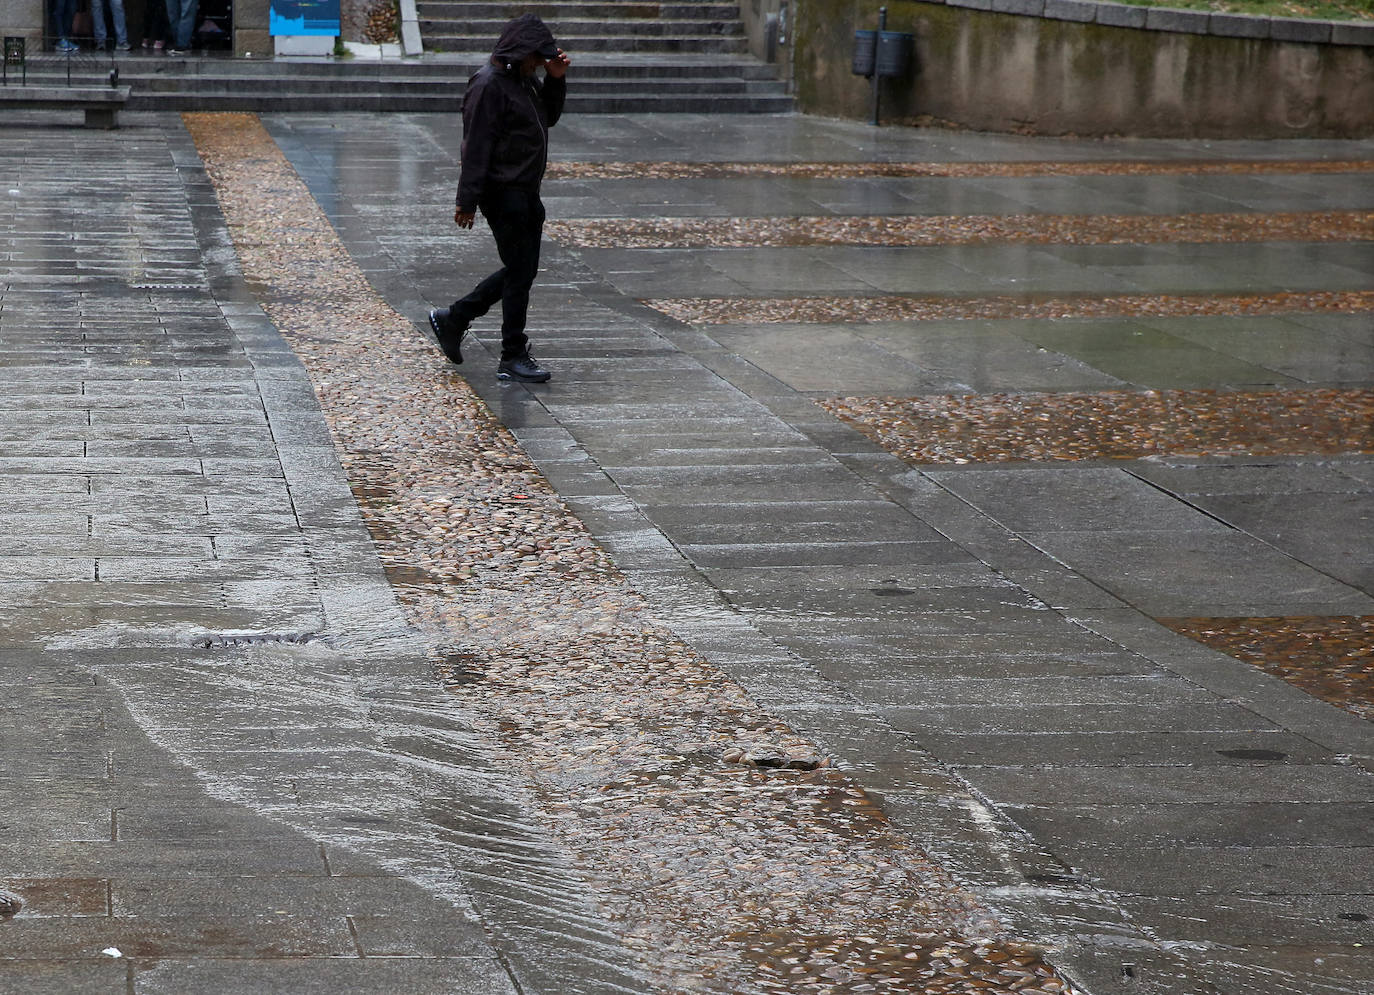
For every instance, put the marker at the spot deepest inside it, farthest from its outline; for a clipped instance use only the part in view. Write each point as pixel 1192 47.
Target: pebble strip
pixel 571 170
pixel 1000 428
pixel 755 311
pixel 972 229
pixel 734 856
pixel 1327 656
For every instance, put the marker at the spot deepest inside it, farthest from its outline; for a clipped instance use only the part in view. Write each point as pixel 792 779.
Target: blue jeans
pixel 62 13
pixel 181 20
pixel 98 22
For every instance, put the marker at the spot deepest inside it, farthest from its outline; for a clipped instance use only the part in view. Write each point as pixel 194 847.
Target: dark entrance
pixel 214 24
pixel 215 30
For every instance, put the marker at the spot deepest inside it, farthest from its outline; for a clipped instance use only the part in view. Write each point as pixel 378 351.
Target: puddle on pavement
pixel 575 170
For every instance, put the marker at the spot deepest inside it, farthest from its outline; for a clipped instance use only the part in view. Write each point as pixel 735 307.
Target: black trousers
pixel 517 220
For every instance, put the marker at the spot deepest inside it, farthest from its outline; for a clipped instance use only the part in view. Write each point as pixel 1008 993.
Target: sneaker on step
pixel 523 368
pixel 449 333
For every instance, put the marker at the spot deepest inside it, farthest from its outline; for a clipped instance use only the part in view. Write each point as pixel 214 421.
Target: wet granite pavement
pixel 486 724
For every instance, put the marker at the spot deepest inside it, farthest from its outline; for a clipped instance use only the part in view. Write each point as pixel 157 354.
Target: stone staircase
pixel 620 26
pixel 628 57
pixel 601 84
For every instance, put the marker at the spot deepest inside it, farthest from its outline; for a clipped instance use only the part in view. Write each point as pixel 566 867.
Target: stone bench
pixel 101 103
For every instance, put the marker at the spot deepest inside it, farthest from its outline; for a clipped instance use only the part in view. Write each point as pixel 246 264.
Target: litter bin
pixel 882 53
pixel 887 52
pixel 894 52
pixel 864 54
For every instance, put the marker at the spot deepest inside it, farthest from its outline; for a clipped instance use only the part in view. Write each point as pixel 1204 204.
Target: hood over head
pixel 525 35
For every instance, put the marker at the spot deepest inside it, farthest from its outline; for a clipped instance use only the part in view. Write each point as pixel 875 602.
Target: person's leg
pixel 173 8
pixel 184 27
pixel 518 235
pixel 62 13
pixel 479 300
pixel 483 297
pixel 155 24
pixel 517 223
pixel 121 26
pixel 175 15
pixel 98 23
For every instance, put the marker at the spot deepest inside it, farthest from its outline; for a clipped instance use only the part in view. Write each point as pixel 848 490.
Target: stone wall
pixel 756 15
pixel 23 18
pixel 250 28
pixel 1079 67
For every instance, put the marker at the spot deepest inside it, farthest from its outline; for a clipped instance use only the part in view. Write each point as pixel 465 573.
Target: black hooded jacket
pixel 507 116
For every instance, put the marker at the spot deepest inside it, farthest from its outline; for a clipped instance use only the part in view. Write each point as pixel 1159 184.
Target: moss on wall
pixel 1004 72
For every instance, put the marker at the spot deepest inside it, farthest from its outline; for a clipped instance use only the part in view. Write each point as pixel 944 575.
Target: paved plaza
pixel 941 562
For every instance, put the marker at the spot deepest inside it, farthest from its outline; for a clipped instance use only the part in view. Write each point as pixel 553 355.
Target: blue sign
pixel 304 17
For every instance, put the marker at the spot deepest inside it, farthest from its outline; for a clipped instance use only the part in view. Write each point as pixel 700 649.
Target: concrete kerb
pixel 410 29
pixel 1121 15
pixel 1188 21
pixel 1082 11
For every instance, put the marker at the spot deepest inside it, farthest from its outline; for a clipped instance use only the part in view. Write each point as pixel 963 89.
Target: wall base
pixel 1040 75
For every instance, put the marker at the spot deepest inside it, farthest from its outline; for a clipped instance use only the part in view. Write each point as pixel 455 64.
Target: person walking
pixel 507 113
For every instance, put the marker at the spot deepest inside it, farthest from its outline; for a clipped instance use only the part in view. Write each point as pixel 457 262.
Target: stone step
pixel 437 41
pixel 599 33
pixel 268 101
pixel 558 14
pixel 604 82
pixel 401 88
pixel 455 64
pixel 582 27
pixel 590 29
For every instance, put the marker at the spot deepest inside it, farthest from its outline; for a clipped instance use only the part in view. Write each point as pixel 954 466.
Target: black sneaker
pixel 450 338
pixel 524 368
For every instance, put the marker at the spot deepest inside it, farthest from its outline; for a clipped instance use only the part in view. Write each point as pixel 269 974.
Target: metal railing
pixel 75 67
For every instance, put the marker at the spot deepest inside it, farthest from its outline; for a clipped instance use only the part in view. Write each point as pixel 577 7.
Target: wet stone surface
pixel 1161 817
pixel 577 170
pixel 1134 765
pixel 623 732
